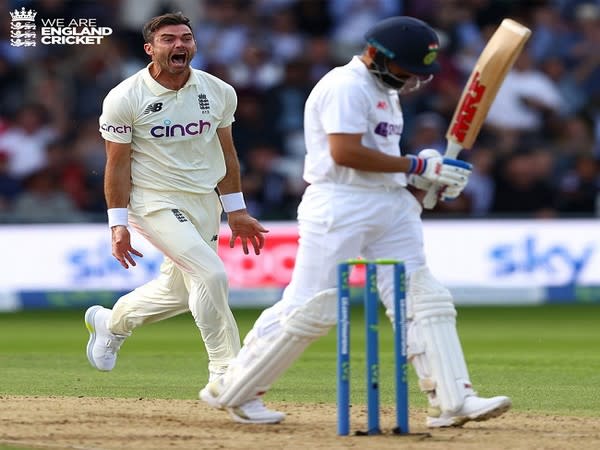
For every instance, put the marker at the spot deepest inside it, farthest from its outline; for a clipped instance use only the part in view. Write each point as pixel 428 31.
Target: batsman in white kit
pixel 357 204
pixel 169 145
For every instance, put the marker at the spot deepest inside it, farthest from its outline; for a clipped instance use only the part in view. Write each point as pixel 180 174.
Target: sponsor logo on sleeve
pixel 116 128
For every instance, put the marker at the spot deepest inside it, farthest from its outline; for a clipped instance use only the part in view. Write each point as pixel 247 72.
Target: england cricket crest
pixel 22 28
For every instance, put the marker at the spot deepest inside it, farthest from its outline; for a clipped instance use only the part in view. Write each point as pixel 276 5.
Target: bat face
pixel 467 109
pixel 488 74
pixel 490 70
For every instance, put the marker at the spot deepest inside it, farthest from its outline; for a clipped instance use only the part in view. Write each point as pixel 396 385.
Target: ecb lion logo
pixel 22 28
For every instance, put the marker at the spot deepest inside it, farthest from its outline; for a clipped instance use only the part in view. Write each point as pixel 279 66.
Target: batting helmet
pixel 408 42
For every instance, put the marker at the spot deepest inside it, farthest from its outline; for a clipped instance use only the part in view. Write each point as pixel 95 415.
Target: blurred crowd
pixel 537 156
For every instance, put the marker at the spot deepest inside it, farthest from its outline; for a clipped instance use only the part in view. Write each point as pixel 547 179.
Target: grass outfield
pixel 545 358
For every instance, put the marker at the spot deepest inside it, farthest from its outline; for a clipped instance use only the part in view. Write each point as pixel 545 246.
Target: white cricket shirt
pixel 348 99
pixel 172 133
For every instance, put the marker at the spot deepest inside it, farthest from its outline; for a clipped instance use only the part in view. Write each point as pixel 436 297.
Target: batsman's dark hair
pixel 158 22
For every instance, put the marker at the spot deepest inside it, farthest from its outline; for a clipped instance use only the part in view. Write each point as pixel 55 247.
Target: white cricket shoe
pixel 253 411
pixel 102 347
pixel 475 408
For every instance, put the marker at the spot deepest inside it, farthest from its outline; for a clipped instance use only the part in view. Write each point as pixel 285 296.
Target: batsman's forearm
pixel 363 158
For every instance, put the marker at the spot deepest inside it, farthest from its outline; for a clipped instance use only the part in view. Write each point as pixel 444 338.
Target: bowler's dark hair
pixel 160 21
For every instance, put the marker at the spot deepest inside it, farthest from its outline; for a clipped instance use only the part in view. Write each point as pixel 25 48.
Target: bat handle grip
pixel 431 198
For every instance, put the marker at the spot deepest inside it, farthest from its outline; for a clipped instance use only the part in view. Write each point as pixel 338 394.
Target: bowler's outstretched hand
pixel 247 228
pixel 121 246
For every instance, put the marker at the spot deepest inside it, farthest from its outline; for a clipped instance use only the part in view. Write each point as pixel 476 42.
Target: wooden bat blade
pixel 485 80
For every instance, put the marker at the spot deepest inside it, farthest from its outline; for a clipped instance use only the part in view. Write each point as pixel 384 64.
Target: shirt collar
pixel 158 89
pixel 357 64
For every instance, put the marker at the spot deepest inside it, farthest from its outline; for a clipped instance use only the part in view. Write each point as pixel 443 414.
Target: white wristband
pixel 117 216
pixel 233 202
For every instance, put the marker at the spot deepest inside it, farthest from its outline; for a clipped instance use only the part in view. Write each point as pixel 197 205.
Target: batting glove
pixel 451 175
pixel 417 180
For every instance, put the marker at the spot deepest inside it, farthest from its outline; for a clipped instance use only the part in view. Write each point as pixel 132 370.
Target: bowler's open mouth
pixel 178 58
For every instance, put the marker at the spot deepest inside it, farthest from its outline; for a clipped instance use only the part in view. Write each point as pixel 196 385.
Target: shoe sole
pixel 493 413
pixel 459 421
pixel 239 419
pixel 210 400
pixel 90 314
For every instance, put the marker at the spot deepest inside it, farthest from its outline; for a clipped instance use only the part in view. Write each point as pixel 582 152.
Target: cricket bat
pixel 485 80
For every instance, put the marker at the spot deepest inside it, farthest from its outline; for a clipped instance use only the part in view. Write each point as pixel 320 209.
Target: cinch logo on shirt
pixel 121 129
pixel 385 129
pixel 177 129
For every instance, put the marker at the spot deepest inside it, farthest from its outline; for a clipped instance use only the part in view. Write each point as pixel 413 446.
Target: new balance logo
pixel 214 238
pixel 153 107
pixel 179 215
pixel 203 102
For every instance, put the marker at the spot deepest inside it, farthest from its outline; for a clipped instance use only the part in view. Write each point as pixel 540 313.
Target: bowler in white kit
pixel 169 145
pixel 358 205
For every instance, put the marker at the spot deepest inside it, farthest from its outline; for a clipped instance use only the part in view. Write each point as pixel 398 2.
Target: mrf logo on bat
pixel 54 31
pixel 468 108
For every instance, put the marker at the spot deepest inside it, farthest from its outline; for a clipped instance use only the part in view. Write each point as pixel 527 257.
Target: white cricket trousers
pixel 184 227
pixel 339 222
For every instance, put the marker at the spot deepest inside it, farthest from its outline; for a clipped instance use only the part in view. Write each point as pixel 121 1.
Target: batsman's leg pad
pixel 433 344
pixel 268 356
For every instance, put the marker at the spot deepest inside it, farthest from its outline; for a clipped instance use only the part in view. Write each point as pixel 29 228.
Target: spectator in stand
pixel 576 138
pixel 100 68
pixel 595 114
pixel 284 37
pixel 55 98
pixel 267 191
pixel 584 54
pixel 351 18
pixel 234 37
pixel 255 69
pixel 285 109
pixel 318 57
pixel 313 17
pixel 520 191
pixel 481 188
pixel 25 141
pixel 251 129
pixel 42 200
pixel 549 33
pixel 572 93
pixel 12 86
pixel 88 153
pixel 428 131
pixel 526 100
pixel 222 33
pixel 9 185
pixel 68 172
pixel 579 188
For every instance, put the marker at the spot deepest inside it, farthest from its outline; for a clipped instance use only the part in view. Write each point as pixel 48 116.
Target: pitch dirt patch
pixel 108 423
